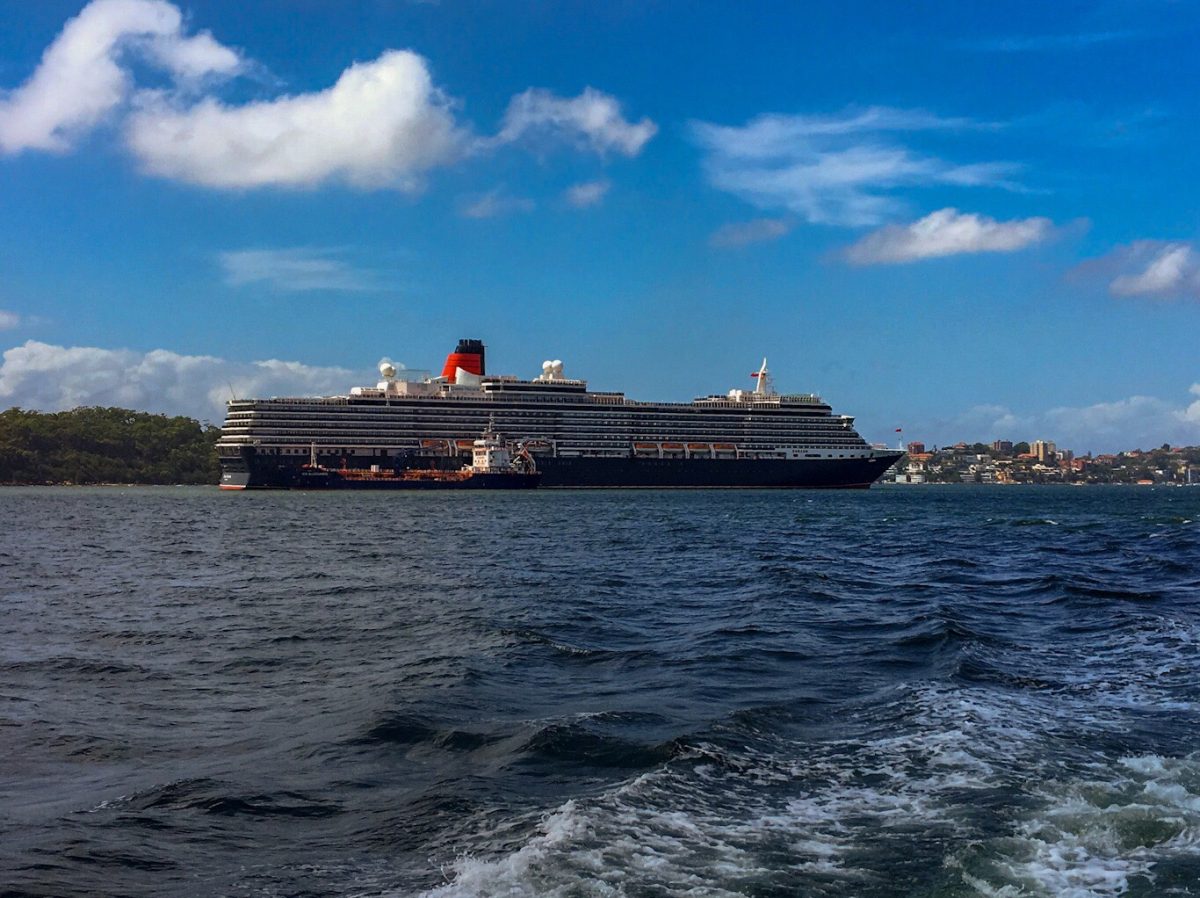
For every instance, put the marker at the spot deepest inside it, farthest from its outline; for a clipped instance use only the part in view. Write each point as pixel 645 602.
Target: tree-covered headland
pixel 105 445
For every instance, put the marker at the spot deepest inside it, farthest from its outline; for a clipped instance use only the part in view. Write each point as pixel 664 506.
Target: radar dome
pixel 547 365
pixel 387 368
pixel 557 366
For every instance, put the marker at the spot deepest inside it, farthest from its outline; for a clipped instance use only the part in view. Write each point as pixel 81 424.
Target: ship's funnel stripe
pixel 468 355
pixel 468 361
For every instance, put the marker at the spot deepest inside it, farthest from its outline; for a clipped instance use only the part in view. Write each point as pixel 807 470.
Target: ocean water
pixel 913 691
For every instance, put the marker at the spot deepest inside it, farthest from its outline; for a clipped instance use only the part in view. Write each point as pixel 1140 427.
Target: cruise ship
pixel 579 437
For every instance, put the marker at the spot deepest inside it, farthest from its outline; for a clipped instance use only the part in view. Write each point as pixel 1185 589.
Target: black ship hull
pixel 250 470
pixel 337 480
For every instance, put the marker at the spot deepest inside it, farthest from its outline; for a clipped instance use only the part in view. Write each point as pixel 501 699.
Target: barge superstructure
pixel 579 437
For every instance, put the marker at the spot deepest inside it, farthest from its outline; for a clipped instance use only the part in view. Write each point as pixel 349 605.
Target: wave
pixel 575 744
pixel 99 668
pixel 585 740
pixel 408 729
pixel 952 791
pixel 1132 826
pixel 215 797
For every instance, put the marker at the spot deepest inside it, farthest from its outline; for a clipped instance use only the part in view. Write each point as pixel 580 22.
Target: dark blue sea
pixel 908 691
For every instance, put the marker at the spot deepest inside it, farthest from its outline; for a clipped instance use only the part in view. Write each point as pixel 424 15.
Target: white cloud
pixel 9 320
pixel 495 203
pixel 742 233
pixel 947 232
pixel 80 79
pixel 194 59
pixel 1191 414
pixel 592 119
pixel 383 124
pixel 53 378
pixel 835 169
pixel 1139 421
pixel 1130 423
pixel 297 269
pixel 589 193
pixel 1155 268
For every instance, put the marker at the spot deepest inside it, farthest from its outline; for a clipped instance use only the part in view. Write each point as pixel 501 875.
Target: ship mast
pixel 763 387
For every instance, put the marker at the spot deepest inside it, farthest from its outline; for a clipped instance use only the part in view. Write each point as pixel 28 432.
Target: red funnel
pixel 468 355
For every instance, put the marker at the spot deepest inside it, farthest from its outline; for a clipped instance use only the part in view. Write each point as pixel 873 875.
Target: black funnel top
pixel 475 347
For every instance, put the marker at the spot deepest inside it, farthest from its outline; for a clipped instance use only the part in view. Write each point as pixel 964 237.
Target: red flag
pixel 899 430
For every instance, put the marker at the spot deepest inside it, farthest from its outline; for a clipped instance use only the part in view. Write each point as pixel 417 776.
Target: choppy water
pixel 917 692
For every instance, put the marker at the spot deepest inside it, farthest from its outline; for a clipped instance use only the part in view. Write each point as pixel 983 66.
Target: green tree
pixel 105 445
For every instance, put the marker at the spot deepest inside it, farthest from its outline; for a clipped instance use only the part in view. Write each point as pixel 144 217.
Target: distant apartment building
pixel 1004 447
pixel 916 448
pixel 1042 450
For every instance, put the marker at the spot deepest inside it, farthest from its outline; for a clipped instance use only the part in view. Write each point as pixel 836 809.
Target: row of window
pixel 646 411
pixel 562 436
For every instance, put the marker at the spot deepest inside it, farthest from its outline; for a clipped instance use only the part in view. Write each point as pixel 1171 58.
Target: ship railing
pixel 752 399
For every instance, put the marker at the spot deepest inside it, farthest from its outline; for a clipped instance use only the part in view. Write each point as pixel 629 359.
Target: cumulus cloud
pixel 494 203
pixel 1147 269
pixel 1144 420
pixel 53 378
pixel 836 169
pixel 81 79
pixel 592 119
pixel 947 232
pixel 194 60
pixel 1132 422
pixel 296 270
pixel 1191 414
pixel 9 320
pixel 589 193
pixel 1156 268
pixel 383 124
pixel 742 233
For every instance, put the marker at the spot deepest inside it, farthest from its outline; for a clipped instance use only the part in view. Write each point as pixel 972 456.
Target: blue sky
pixel 970 221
